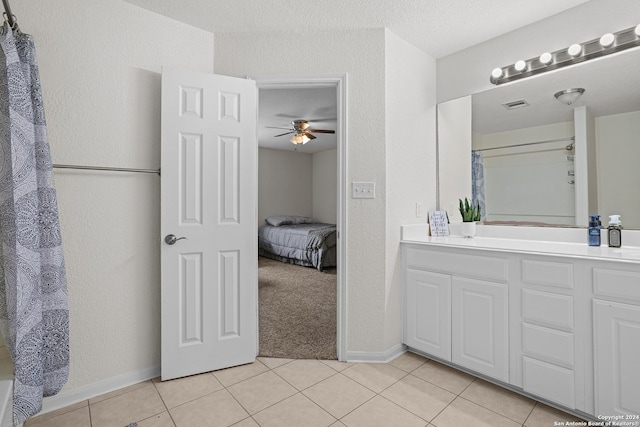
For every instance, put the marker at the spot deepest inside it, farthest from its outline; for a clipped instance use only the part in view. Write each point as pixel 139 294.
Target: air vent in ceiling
pixel 515 104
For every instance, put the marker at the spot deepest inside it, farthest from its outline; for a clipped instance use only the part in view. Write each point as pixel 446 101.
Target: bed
pixel 298 240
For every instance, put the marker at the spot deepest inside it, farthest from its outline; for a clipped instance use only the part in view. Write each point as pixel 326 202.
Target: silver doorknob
pixel 171 239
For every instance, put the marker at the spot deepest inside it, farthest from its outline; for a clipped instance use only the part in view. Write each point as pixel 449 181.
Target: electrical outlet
pixel 363 190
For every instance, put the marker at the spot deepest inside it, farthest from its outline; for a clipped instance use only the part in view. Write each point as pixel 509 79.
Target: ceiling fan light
pixel 300 138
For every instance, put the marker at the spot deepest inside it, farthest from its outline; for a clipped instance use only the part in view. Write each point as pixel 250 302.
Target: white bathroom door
pixel 208 226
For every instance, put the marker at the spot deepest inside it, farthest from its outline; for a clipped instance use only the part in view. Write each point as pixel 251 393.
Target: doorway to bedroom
pixel 300 217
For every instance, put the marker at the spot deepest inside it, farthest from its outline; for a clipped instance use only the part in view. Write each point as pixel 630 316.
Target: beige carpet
pixel 297 311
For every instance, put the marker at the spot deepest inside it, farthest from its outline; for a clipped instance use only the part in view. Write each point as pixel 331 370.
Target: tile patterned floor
pixel 409 391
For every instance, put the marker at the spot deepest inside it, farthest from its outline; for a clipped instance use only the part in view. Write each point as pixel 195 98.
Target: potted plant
pixel 470 214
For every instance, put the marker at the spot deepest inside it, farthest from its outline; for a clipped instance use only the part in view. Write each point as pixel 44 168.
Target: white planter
pixel 468 229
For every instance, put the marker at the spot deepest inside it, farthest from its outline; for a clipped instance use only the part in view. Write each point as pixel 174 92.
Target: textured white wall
pixel 99 65
pixel 454 154
pixel 325 186
pixel 360 54
pixel 467 71
pixel 410 159
pixel 284 183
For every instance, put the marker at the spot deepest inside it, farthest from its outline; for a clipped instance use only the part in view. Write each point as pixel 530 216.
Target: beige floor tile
pixel 338 366
pixel 262 391
pixel 337 424
pixel 217 409
pixel 419 397
pixel 118 392
pixel 443 376
pixel 545 416
pixel 379 412
pixel 160 420
pixel 511 405
pixel 461 412
pixel 230 376
pixel 38 419
pixel 339 395
pixel 408 361
pixel 304 373
pixel 76 418
pixel 297 411
pixel 274 362
pixel 182 390
pixel 247 422
pixel 374 376
pixel 127 408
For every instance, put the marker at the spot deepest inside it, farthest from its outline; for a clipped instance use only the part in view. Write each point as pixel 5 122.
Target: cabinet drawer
pixel 547 308
pixel 549 381
pixel 547 273
pixel 616 283
pixel 475 266
pixel 548 344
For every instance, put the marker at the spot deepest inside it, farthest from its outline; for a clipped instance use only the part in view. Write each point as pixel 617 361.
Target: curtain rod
pixel 568 147
pixel 10 16
pixel 105 168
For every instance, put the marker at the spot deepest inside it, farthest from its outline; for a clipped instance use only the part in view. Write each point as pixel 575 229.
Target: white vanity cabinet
pixel 616 328
pixel 456 308
pixel 557 321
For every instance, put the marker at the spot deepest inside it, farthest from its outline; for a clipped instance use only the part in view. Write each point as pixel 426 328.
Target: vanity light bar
pixel 574 54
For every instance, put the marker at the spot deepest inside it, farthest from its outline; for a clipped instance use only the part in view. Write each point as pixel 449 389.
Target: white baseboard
pixel 79 394
pixel 376 357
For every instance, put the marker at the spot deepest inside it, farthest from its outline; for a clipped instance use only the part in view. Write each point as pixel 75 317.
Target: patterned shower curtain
pixel 34 314
pixel 477 182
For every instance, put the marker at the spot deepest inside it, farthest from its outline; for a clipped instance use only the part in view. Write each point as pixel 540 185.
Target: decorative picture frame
pixel 438 223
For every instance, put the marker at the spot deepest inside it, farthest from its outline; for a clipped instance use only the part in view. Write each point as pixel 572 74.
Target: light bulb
pixel 546 58
pixel 520 65
pixel 496 73
pixel 574 50
pixel 607 40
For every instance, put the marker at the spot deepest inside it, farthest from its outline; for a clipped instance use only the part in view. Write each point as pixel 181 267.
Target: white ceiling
pixel 438 27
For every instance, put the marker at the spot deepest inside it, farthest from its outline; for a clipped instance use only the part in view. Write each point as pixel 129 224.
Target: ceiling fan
pixel 302 132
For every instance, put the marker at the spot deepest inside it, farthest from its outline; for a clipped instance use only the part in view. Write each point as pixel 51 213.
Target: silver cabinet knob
pixel 171 239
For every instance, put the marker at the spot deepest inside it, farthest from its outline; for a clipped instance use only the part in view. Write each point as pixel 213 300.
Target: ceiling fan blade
pixel 283 134
pixel 275 127
pixel 321 130
pixel 309 135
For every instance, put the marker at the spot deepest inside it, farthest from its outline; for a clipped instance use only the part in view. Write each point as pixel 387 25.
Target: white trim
pixel 76 395
pixel 376 357
pixel 339 81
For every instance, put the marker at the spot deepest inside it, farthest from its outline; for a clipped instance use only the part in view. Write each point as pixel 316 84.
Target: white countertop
pixel 418 233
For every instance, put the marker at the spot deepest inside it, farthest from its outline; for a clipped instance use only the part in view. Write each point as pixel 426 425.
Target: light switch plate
pixel 363 190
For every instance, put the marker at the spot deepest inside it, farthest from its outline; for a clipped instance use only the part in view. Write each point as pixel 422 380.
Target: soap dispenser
pixel 614 231
pixel 594 230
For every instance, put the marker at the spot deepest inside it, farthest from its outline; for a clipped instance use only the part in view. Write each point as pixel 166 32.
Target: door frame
pixel 339 81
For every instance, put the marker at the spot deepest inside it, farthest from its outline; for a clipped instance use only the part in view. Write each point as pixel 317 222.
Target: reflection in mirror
pixel 548 163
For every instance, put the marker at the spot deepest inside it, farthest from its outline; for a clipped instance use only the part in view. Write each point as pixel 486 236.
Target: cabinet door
pixel 480 328
pixel 428 312
pixel 617 361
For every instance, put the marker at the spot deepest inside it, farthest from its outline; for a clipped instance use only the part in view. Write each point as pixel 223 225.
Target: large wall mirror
pixel 543 162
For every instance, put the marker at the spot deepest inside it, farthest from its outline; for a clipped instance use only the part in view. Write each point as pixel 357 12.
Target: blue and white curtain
pixel 477 182
pixel 34 313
